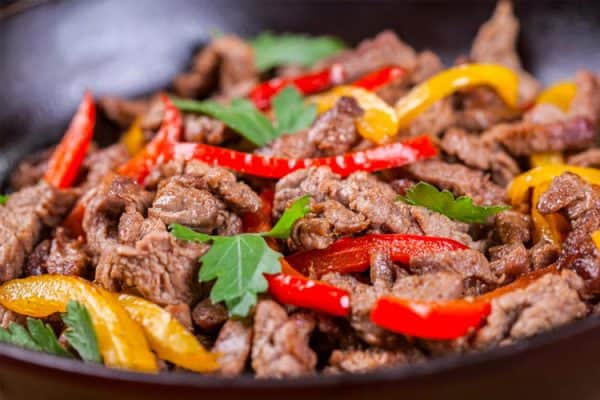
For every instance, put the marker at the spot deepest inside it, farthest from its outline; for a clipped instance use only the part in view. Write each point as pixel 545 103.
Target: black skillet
pixel 52 51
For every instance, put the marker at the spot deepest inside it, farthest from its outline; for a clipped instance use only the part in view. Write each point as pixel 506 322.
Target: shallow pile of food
pixel 290 206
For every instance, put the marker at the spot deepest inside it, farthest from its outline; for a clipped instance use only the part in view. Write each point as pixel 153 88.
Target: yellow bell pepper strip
pixel 133 138
pixel 503 80
pixel 378 123
pixel 596 238
pixel 167 337
pixel 543 159
pixel 121 340
pixel 560 94
pixel 518 190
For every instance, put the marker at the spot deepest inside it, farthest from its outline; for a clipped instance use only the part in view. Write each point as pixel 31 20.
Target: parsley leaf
pixel 80 332
pixel 291 115
pixel 283 227
pixel 3 199
pixel 460 209
pixel 271 50
pixel 37 337
pixel 238 263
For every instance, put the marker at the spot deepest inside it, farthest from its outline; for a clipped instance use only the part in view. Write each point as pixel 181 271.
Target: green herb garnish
pixel 238 263
pixel 3 199
pixel 460 209
pixel 271 50
pixel 80 332
pixel 37 337
pixel 291 115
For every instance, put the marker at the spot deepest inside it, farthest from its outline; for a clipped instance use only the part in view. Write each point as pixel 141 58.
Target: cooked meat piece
pixel 586 102
pixel 123 111
pixel 31 169
pixel 460 180
pixel 227 59
pixel 202 129
pixel 568 192
pixel 181 312
pixel 480 154
pixel 509 261
pixel 292 146
pixel 159 268
pixel 36 261
pixel 7 317
pixel 333 333
pixel 512 227
pixel 480 108
pixel 544 114
pixel 179 200
pixel 326 222
pixel 208 316
pixel 435 224
pixel 587 158
pixel 496 42
pixel 548 302
pixel 12 254
pixel 543 253
pixel 280 344
pixel 433 121
pixel 334 132
pixel 525 138
pixel 383 50
pixel 106 204
pixel 101 162
pixel 437 286
pixel 361 361
pixel 66 256
pixel 471 265
pixel 383 271
pixel 233 346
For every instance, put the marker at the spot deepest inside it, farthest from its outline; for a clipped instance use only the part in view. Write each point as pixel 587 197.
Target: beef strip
pixel 544 114
pixel 66 256
pixel 586 102
pixel 543 253
pixel 580 203
pixel 587 158
pixel 509 261
pixel 433 121
pixel 280 343
pixel 159 268
pixel 233 346
pixel 7 317
pixel 31 169
pixel 123 111
pixel 477 153
pixel 202 129
pixel 512 227
pixel 496 42
pixel 460 180
pixel 227 60
pixel 181 312
pixel 381 51
pixel 101 162
pixel 361 361
pixel 208 316
pixel 480 108
pixel 364 197
pixel 548 302
pixel 333 133
pixel 526 138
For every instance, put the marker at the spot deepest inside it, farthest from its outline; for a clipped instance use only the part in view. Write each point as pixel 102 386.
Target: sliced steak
pixel 101 162
pixel 362 361
pixel 547 303
pixel 280 344
pixel 208 316
pixel 496 42
pixel 233 346
pixel 586 102
pixel 587 158
pixel 12 255
pixel 480 108
pixel 512 227
pixel 509 261
pixel 543 254
pixel 8 317
pixel 31 169
pixel 571 194
pixel 159 268
pixel 67 256
pixel 460 180
pixel 202 129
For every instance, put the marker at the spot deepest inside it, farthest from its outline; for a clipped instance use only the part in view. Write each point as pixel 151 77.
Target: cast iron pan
pixel 51 52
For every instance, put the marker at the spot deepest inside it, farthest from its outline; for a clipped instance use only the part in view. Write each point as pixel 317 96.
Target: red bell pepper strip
pixel 429 320
pixel 349 255
pixel 160 149
pixel 375 159
pixel 261 220
pixel 307 293
pixel 379 78
pixel 66 160
pixel 74 221
pixel 310 83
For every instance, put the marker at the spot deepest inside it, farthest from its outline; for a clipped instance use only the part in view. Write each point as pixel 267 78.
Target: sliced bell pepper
pixel 543 159
pixel 260 221
pixel 133 138
pixel 310 83
pixel 504 81
pixel 429 320
pixel 160 147
pixel 167 337
pixel 74 221
pixel 375 159
pixel 379 121
pixel 560 94
pixel 66 160
pixel 122 341
pixel 518 190
pixel 380 77
pixel 596 238
pixel 349 255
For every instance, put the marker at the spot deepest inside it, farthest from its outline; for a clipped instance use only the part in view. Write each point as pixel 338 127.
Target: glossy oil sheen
pixel 51 53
